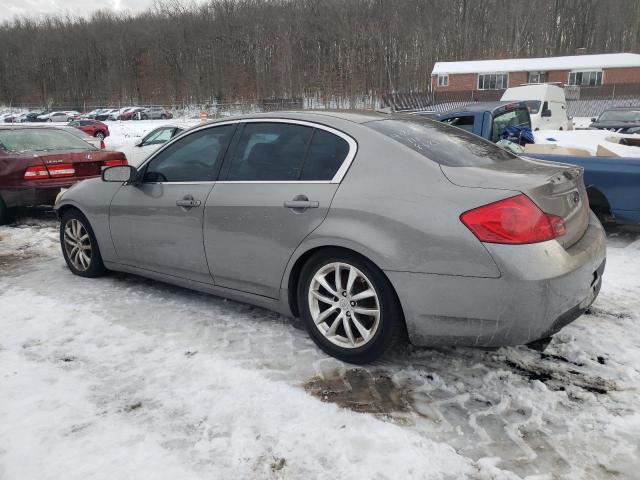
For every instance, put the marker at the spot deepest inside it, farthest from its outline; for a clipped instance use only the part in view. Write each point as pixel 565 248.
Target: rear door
pixel 157 225
pixel 276 187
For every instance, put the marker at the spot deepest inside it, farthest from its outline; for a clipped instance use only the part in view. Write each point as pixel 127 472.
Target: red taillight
pixel 59 170
pixel 113 163
pixel 102 146
pixel 515 220
pixel 37 172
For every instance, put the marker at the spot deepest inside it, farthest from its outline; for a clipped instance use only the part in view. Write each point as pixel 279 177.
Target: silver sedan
pixel 369 227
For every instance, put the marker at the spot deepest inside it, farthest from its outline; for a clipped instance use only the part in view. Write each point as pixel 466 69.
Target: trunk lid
pixel 85 163
pixel 556 188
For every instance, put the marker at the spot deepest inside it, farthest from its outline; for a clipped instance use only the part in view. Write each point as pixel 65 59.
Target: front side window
pixel 193 158
pixel 269 152
pixel 512 118
pixel 493 81
pixel 585 79
pixel 158 136
pixel 533 106
pixel 443 80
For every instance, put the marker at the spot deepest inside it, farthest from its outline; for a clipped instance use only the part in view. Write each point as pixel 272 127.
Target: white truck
pixel 547 105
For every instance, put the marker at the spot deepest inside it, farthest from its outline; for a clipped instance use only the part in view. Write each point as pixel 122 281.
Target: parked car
pixel 106 114
pixel 95 128
pixel 619 119
pixel 30 117
pixel 612 182
pixel 363 224
pixel 130 113
pixel 154 113
pixel 58 116
pixel 151 142
pixel 36 162
pixel 547 105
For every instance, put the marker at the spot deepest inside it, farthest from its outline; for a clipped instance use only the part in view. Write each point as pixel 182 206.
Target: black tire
pixel 99 134
pixel 144 117
pixel 163 117
pixel 390 328
pixel 4 213
pixel 96 267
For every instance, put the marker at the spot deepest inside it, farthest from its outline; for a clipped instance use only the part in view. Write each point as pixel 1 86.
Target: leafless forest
pixel 248 50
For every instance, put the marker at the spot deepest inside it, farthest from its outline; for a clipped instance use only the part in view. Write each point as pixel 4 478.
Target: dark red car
pixel 35 163
pixel 95 128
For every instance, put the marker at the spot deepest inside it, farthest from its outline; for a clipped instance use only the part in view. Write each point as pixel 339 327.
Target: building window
pixel 443 80
pixel 537 77
pixel 493 81
pixel 585 79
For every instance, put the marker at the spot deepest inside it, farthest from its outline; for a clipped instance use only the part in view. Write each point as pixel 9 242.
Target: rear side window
pixel 326 153
pixel 441 143
pixel 269 152
pixel 465 122
pixel 193 158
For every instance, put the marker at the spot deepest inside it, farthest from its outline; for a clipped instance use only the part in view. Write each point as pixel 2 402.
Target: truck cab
pixel 489 119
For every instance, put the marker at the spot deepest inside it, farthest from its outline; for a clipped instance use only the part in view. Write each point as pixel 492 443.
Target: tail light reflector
pixel 36 172
pixel 515 220
pixel 61 170
pixel 102 146
pixel 113 163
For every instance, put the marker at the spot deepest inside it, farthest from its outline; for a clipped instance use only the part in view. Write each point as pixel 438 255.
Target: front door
pixel 157 225
pixel 279 181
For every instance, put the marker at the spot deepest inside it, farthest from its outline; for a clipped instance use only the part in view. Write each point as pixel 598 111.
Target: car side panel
pixel 399 206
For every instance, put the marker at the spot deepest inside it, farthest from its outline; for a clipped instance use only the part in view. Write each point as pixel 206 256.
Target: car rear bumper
pixel 36 195
pixel 542 288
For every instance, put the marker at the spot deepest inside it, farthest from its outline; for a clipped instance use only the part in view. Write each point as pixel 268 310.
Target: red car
pixel 35 163
pixel 95 128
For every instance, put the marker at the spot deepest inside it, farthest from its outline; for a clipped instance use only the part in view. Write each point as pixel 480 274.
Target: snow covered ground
pixel 123 377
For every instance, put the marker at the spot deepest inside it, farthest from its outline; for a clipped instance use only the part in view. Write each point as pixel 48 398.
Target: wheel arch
pixel 598 202
pixel 298 260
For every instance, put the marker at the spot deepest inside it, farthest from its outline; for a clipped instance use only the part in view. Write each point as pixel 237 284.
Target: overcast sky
pixel 9 9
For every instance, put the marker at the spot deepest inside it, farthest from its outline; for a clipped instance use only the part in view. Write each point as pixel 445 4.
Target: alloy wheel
pixel 77 244
pixel 344 305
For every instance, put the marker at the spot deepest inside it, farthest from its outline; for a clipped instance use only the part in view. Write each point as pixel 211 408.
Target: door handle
pixel 188 202
pixel 301 203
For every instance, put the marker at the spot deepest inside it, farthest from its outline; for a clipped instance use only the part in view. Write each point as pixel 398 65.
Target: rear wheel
pixel 4 213
pixel 79 245
pixel 348 306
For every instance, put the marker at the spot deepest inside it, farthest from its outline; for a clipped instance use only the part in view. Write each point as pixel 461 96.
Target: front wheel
pixel 99 135
pixel 348 306
pixel 79 245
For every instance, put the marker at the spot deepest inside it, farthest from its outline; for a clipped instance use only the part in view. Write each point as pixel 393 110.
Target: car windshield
pixel 533 106
pixel 40 139
pixel 620 116
pixel 441 143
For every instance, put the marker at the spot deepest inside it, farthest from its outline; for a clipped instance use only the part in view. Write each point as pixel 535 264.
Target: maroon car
pixel 36 163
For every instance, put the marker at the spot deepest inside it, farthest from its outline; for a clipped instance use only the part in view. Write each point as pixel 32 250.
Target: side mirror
pixel 546 113
pixel 139 144
pixel 120 174
pixel 593 119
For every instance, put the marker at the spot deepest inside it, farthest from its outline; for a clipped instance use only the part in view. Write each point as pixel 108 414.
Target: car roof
pixel 355 116
pixel 621 108
pixel 485 106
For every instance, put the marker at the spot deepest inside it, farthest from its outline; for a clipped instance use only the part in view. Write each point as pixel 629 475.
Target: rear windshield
pixel 620 116
pixel 40 140
pixel 441 143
